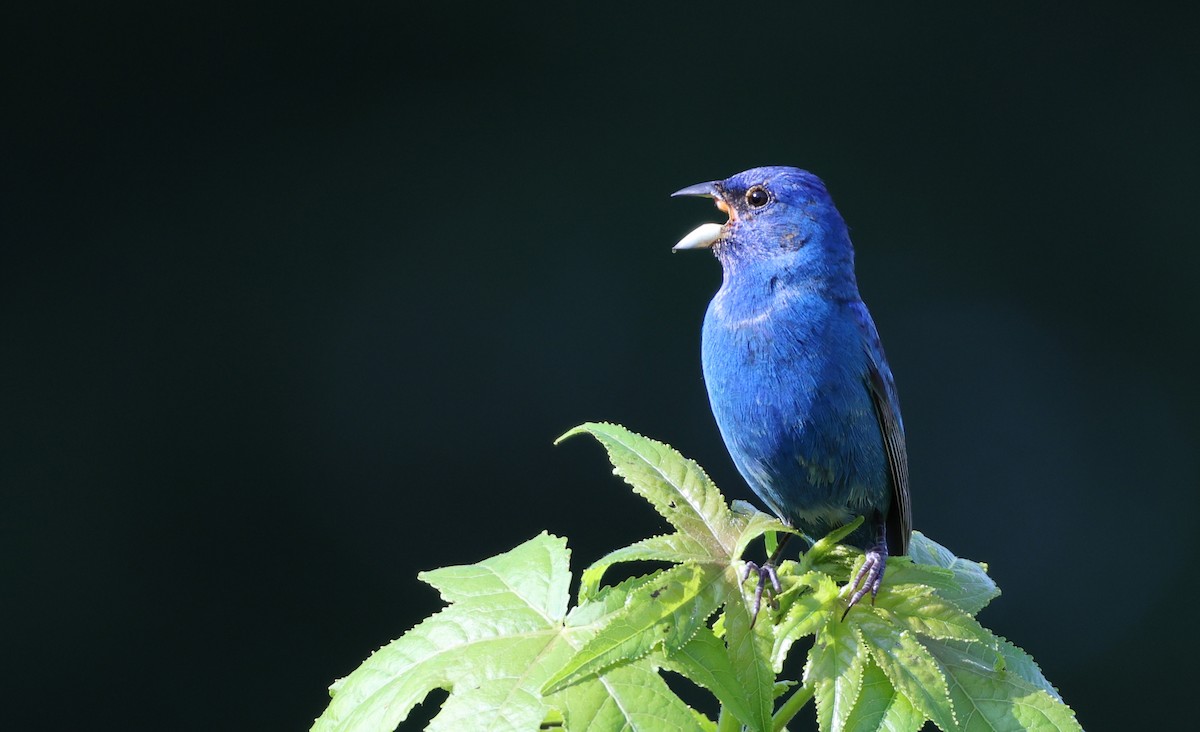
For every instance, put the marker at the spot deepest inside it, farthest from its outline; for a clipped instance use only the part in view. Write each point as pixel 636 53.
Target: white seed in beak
pixel 702 237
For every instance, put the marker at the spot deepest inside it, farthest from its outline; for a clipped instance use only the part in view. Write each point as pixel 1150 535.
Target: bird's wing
pixel 899 518
pixel 887 411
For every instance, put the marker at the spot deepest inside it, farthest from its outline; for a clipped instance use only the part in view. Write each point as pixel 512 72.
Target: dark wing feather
pixel 899 518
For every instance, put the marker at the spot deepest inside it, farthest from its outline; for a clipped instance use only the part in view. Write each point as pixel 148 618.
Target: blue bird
pixel 796 375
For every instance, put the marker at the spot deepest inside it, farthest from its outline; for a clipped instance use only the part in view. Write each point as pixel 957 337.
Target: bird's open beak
pixel 705 235
pixel 702 190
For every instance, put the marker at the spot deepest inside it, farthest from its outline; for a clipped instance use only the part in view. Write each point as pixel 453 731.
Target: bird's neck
pixel 763 276
pixel 753 294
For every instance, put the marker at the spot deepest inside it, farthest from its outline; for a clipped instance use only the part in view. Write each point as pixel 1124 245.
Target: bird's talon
pixel 869 578
pixel 766 573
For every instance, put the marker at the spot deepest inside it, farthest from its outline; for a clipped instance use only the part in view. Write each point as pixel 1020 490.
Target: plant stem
pixel 726 722
pixel 790 707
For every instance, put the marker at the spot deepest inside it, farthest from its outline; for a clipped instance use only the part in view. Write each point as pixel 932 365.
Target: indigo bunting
pixel 795 372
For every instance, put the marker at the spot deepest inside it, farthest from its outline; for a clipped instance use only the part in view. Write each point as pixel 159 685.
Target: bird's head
pixel 775 212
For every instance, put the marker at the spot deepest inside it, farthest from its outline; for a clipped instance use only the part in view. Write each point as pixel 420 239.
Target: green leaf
pixel 710 538
pixel 664 611
pixel 806 612
pixel 608 600
pixel 674 548
pixel 512 657
pixel 920 610
pixel 705 661
pixel 974 588
pixel 533 576
pixel 750 523
pixel 631 697
pixel 904 571
pixel 909 667
pixel 749 650
pixel 996 700
pixel 677 487
pixel 830 541
pixel 1019 662
pixel 492 648
pixel 880 707
pixel 836 561
pixel 835 670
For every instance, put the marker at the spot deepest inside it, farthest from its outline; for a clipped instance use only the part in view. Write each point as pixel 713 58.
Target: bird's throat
pixel 737 305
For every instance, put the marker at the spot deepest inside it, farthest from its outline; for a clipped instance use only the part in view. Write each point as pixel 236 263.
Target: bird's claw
pixel 869 577
pixel 765 573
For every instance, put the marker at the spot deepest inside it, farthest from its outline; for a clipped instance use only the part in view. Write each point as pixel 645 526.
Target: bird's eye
pixel 757 197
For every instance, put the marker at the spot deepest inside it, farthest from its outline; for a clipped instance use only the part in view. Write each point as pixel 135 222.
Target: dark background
pixel 295 300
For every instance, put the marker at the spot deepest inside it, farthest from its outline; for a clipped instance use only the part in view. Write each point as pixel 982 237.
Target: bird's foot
pixel 869 577
pixel 766 573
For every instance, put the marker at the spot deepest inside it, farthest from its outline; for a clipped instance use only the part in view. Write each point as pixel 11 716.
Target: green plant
pixel 514 655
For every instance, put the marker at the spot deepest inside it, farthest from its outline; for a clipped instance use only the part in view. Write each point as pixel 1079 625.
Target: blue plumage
pixel 796 375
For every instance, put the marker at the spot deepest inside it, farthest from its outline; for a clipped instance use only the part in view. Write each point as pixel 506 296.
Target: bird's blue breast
pixel 786 371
